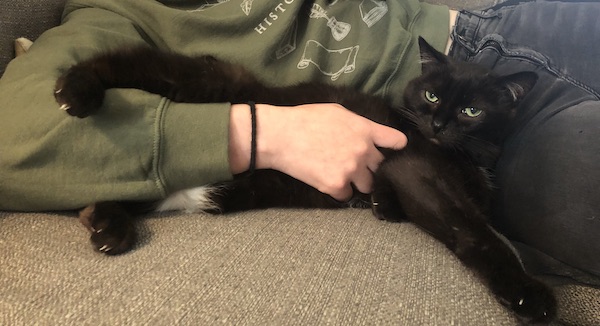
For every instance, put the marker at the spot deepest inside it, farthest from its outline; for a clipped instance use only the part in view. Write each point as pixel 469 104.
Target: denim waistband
pixel 556 35
pixel 465 32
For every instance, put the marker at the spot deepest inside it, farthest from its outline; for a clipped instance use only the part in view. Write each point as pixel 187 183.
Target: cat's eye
pixel 431 97
pixel 472 112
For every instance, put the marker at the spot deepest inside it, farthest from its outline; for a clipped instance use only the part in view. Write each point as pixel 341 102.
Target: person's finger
pixel 343 194
pixel 374 159
pixel 384 136
pixel 363 181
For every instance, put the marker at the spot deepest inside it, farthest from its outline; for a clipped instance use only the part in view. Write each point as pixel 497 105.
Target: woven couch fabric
pixel 25 18
pixel 273 267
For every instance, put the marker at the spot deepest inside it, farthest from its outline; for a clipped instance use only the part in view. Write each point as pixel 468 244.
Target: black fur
pixel 438 182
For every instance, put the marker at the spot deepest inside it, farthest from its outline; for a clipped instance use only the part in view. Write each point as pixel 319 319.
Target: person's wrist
pixel 240 138
pixel 267 124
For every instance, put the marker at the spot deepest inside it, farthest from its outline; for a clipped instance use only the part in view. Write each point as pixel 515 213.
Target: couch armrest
pixel 25 18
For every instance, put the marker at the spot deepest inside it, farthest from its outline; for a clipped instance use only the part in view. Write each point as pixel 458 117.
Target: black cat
pixel 456 115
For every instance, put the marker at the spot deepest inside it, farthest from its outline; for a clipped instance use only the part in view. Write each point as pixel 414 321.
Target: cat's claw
pixel 105 248
pixel 65 107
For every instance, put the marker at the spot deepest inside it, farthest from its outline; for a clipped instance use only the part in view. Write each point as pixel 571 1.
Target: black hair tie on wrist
pixel 253 141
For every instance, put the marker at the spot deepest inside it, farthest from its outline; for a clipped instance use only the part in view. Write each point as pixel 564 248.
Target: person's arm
pixel 323 145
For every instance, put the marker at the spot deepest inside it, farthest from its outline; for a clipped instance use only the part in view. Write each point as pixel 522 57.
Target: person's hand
pixel 323 145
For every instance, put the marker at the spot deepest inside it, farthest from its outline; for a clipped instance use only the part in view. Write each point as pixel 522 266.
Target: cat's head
pixel 460 105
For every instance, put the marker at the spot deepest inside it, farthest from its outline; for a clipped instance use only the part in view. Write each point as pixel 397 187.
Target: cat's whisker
pixel 410 116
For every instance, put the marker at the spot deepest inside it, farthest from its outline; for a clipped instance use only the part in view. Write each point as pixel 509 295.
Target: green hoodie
pixel 142 146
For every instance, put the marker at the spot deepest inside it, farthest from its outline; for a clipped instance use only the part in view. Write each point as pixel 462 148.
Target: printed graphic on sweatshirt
pixel 339 30
pixel 272 17
pixel 341 61
pixel 208 4
pixel 371 11
pixel 288 41
pixel 246 6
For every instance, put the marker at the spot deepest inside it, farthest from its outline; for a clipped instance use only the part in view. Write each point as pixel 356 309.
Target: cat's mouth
pixel 435 140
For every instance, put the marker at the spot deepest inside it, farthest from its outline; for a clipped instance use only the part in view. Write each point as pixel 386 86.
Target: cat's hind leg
pixel 111 226
pixel 257 190
pixel 481 248
pixel 194 200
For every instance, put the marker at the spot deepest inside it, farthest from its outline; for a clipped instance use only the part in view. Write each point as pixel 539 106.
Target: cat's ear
pixel 429 55
pixel 519 84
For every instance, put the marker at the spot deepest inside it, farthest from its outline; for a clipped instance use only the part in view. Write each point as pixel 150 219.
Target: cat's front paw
pixel 387 209
pixel 79 92
pixel 112 230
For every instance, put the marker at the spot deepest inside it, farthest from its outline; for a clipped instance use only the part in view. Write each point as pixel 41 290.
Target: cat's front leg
pixel 436 198
pixel 111 226
pixel 384 203
pixel 481 248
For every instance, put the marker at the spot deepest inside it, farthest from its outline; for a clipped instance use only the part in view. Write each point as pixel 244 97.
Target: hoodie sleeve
pixel 140 146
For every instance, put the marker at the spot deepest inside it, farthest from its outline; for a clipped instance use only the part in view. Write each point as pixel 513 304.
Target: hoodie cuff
pixel 191 146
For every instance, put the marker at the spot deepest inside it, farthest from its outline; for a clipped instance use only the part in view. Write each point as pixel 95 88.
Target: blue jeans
pixel 548 198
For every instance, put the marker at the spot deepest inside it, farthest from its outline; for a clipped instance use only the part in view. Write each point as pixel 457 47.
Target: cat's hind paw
pixel 112 229
pixel 79 92
pixel 113 242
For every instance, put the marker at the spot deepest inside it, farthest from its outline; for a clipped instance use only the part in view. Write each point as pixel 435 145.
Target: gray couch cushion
pixel 25 18
pixel 268 267
pixel 271 267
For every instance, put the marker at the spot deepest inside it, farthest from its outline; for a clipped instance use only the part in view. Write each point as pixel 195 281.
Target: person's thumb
pixel 387 137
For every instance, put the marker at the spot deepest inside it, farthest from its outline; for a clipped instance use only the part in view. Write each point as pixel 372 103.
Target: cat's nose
pixel 437 125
